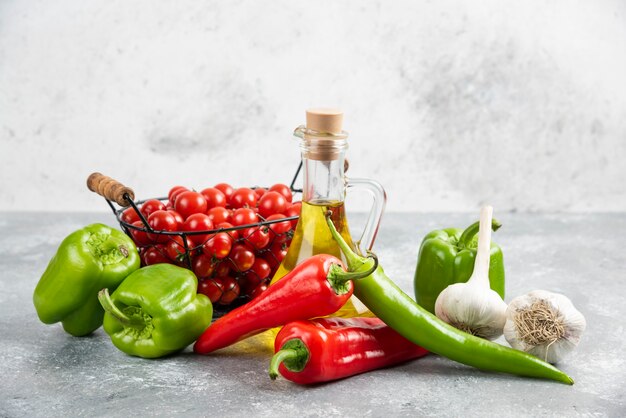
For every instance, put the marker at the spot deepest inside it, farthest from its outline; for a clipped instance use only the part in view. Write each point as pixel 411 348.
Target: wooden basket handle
pixel 110 189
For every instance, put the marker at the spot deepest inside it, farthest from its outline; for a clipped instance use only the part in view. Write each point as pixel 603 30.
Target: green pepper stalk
pixel 87 260
pixel 387 301
pixel 447 256
pixel 156 311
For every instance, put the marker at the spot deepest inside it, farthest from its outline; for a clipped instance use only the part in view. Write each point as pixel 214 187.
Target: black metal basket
pixel 120 198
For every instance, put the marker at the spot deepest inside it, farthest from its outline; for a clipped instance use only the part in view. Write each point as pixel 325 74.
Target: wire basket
pixel 121 198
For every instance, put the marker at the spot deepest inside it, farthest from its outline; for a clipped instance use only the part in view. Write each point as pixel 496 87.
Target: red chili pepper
pixel 318 286
pixel 325 349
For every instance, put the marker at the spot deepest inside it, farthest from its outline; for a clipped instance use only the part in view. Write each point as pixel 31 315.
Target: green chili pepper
pixel 446 257
pixel 156 311
pixel 87 260
pixel 387 301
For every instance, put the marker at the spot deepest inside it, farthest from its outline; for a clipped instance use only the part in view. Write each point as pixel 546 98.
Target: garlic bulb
pixel 544 324
pixel 473 307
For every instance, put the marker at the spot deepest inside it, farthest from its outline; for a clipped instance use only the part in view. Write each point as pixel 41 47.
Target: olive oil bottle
pixel 323 144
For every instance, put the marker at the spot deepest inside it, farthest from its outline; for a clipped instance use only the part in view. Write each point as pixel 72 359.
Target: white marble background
pixel 450 104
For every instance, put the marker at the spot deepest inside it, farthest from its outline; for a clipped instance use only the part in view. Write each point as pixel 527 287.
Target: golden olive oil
pixel 312 236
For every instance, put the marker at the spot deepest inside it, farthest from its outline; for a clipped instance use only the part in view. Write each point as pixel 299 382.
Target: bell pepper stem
pixel 471 231
pixel 294 354
pixel 278 358
pixel 109 307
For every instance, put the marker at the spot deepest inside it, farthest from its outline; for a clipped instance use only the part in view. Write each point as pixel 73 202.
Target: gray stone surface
pixel 46 372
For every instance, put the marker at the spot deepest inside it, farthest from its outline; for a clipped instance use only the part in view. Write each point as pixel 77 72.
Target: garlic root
pixel 544 324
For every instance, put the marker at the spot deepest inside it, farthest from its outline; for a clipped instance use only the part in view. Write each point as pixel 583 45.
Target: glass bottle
pixel 323 145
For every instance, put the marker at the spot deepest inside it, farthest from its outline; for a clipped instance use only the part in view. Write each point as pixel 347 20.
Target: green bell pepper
pixel 156 311
pixel 87 260
pixel 446 256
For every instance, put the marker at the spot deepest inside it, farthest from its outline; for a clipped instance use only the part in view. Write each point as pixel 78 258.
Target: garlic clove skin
pixel 550 334
pixel 473 309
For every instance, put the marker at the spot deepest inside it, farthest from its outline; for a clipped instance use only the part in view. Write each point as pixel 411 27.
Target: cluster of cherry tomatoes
pixel 234 239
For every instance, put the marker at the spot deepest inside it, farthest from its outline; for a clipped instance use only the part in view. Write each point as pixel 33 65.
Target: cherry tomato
pixel 188 203
pixel 279 251
pixel 151 206
pixel 175 248
pixel 155 254
pixel 218 215
pixel 234 233
pixel 258 290
pixel 161 220
pixel 241 257
pixel 211 288
pixel 294 210
pixel 130 216
pixel 222 269
pixel 243 197
pixel 198 222
pixel 175 189
pixel 179 218
pixel 279 228
pixel 260 191
pixel 284 190
pixel 244 216
pixel 218 246
pixel 225 188
pixel 271 203
pixel 230 290
pixel 203 266
pixel 258 237
pixel 140 237
pixel 214 197
pixel 173 196
pixel 259 273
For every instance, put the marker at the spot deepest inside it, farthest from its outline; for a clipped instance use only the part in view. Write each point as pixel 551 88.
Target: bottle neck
pixel 324 180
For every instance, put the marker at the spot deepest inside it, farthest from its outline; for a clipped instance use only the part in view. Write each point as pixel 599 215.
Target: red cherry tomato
pixel 214 197
pixel 257 237
pixel 198 222
pixel 211 288
pixel 284 190
pixel 173 196
pixel 258 290
pixel 243 197
pixel 279 228
pixel 294 210
pixel 140 237
pixel 151 206
pixel 230 290
pixel 179 218
pixel 260 191
pixel 241 257
pixel 129 216
pixel 175 248
pixel 225 188
pixel 234 233
pixel 271 203
pixel 188 203
pixel 279 251
pixel 259 273
pixel 218 246
pixel 244 216
pixel 154 255
pixel 203 266
pixel 175 189
pixel 218 215
pixel 222 269
pixel 161 220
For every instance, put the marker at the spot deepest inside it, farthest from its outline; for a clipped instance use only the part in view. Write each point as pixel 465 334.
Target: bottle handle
pixel 376 212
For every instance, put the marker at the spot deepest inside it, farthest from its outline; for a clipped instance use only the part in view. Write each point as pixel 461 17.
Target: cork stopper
pixel 324 120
